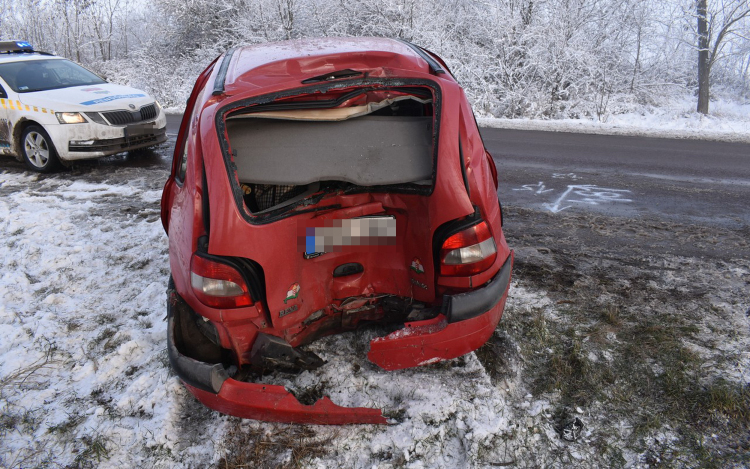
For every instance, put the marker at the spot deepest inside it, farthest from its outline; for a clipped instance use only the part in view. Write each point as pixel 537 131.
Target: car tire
pixel 38 150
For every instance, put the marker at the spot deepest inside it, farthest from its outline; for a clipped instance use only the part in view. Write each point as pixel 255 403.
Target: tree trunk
pixel 704 67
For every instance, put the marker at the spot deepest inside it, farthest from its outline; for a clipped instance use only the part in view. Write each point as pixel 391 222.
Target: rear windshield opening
pixel 377 141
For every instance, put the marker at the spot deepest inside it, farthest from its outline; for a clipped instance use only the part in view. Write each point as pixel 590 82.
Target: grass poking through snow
pixel 657 368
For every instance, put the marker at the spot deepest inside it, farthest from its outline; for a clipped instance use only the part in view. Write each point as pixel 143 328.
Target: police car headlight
pixel 70 118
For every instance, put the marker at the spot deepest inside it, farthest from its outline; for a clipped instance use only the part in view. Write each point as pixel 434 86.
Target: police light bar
pixel 9 47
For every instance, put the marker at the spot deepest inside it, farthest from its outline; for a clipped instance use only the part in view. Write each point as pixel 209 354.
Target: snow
pixel 85 377
pixel 728 121
pixel 81 321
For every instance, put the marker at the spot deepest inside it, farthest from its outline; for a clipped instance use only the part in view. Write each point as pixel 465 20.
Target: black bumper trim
pixel 205 376
pixel 471 304
pixel 122 144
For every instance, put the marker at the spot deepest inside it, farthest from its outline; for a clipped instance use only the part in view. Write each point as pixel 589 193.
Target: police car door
pixel 6 135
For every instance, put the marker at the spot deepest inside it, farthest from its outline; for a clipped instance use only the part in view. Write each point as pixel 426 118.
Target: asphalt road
pixel 687 180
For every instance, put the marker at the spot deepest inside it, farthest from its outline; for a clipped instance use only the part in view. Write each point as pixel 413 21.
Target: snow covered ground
pixel 83 364
pixel 728 121
pixel 85 380
pixel 84 376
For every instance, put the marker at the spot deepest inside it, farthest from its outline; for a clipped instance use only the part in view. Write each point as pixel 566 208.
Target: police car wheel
pixel 38 151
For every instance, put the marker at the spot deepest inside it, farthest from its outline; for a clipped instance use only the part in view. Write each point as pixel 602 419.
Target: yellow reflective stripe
pixel 10 104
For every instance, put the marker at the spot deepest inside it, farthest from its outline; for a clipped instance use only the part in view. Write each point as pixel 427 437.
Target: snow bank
pixel 729 121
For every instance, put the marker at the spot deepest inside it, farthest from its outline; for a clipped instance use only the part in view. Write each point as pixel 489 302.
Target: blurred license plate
pixel 339 235
pixel 138 130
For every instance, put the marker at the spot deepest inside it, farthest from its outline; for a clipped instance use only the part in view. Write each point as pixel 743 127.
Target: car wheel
pixel 38 151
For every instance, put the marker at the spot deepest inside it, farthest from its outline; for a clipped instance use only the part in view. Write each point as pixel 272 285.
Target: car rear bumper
pixel 212 385
pixel 465 324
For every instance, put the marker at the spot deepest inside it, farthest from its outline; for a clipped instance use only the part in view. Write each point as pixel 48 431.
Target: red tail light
pixel 468 252
pixel 218 285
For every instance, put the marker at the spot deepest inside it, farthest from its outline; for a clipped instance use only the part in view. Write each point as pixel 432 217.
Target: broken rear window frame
pixel 267 102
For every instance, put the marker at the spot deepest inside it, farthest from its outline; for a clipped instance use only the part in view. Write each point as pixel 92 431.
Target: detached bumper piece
pixel 212 384
pixel 466 321
pixel 119 144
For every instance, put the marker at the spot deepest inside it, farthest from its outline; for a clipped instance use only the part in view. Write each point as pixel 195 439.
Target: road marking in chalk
pixel 572 176
pixel 590 195
pixel 537 188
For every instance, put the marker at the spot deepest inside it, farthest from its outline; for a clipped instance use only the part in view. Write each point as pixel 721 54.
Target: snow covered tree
pixel 515 58
pixel 718 28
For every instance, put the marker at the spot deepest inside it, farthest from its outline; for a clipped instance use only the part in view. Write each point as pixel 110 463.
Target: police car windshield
pixel 49 74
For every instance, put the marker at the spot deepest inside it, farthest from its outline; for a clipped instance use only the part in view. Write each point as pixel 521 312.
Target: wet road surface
pixel 685 180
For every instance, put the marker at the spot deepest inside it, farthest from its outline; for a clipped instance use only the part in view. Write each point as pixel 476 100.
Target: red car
pixel 318 186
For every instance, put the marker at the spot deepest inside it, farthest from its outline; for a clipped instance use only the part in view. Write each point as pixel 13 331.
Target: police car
pixel 53 111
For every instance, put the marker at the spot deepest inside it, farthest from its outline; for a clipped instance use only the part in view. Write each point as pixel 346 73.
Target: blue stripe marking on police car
pixel 112 98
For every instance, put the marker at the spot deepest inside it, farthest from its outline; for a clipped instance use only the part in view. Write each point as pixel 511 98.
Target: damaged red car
pixel 319 186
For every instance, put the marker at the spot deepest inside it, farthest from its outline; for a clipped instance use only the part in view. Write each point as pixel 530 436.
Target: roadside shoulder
pixel 693 128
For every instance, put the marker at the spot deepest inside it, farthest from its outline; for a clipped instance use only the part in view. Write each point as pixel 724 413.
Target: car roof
pixel 26 57
pixel 269 63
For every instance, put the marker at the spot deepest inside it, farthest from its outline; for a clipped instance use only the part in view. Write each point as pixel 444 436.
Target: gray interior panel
pixel 368 151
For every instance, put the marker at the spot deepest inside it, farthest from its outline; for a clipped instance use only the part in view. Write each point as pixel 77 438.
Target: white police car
pixel 53 111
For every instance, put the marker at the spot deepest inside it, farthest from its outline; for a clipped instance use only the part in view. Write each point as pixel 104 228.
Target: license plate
pixel 339 235
pixel 138 130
